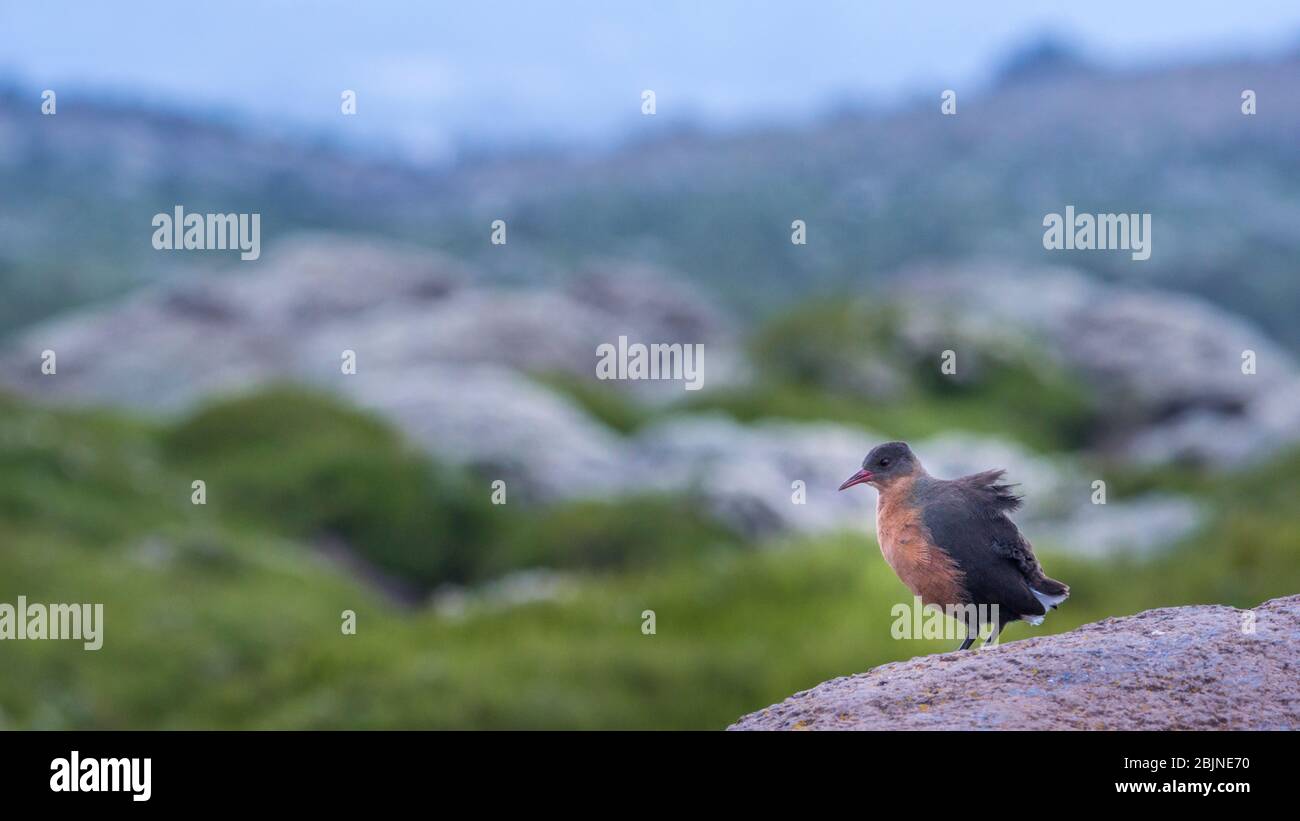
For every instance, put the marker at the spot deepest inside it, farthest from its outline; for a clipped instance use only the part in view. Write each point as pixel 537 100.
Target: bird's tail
pixel 1049 591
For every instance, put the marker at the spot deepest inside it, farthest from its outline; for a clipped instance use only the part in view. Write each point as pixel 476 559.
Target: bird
pixel 951 541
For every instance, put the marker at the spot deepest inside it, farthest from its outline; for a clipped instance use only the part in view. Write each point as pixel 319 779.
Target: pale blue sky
pixel 431 74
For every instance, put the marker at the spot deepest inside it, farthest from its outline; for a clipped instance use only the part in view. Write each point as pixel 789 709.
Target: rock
pixel 168 347
pixel 1169 365
pixel 649 306
pixel 745 474
pixel 449 362
pixel 501 425
pixel 399 308
pixel 1265 425
pixel 1176 668
pixel 1140 525
pixel 445 359
pixel 672 309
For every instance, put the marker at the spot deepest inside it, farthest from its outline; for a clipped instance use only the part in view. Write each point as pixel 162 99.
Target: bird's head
pixel 884 465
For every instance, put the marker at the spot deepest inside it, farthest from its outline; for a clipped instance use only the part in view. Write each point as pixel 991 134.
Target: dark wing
pixel 968 521
pixel 989 489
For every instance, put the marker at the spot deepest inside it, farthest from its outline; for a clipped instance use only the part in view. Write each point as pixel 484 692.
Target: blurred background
pixel 715 509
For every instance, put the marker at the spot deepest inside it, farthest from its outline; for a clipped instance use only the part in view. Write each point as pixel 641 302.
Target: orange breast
pixel 906 544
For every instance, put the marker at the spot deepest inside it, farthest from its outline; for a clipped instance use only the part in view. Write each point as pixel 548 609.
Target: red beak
pixel 858 478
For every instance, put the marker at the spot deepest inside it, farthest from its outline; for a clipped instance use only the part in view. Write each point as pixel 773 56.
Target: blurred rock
pixel 671 309
pixel 746 474
pixel 1134 526
pixel 446 360
pixel 449 363
pixel 166 348
pixel 398 307
pixel 501 425
pixel 1129 673
pixel 1169 365
pixel 1266 424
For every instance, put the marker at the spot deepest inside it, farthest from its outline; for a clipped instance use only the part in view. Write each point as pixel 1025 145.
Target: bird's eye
pixel 884 463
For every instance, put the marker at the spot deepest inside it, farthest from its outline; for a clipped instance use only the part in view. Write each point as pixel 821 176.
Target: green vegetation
pixel 602 400
pixel 634 532
pixel 814 359
pixel 226 615
pixel 303 466
pixel 842 360
pixel 301 463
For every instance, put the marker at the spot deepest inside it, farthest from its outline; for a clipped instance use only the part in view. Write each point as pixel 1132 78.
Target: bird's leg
pixel 993 637
pixel 972 625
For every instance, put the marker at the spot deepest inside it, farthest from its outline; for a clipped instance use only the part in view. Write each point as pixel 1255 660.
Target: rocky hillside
pixel 878 191
pixel 1170 366
pixel 1177 668
pixel 468 370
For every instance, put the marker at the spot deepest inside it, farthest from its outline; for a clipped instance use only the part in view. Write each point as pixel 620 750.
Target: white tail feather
pixel 1048 603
